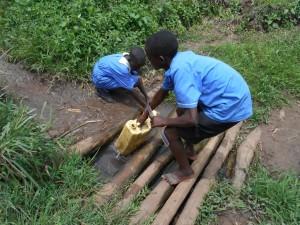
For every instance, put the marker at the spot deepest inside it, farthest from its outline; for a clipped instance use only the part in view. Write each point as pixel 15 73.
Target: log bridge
pixel 172 204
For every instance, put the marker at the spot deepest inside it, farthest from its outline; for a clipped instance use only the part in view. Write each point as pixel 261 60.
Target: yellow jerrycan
pixel 132 136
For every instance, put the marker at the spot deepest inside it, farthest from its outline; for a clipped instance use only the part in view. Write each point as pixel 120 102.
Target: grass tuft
pixel 277 195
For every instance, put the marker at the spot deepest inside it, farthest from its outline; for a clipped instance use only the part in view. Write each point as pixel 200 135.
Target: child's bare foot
pixel 190 152
pixel 178 176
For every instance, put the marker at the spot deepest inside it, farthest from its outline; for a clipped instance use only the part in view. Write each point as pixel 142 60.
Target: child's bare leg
pixel 190 151
pixel 185 170
pixel 189 147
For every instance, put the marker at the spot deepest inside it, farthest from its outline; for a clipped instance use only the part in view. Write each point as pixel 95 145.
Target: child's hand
pixel 142 118
pixel 157 121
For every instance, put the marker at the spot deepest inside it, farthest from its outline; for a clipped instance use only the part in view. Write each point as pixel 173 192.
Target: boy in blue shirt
pixel 118 72
pixel 211 97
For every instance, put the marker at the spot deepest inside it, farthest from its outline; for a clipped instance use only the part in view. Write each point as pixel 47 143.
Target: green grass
pixel 40 183
pixel 277 195
pixel 268 198
pixel 65 38
pixel 220 198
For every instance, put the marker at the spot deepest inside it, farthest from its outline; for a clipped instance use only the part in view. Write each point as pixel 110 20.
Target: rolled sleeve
pixel 186 91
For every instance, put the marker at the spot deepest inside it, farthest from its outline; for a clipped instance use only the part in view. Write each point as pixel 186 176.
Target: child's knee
pixel 179 111
pixel 171 133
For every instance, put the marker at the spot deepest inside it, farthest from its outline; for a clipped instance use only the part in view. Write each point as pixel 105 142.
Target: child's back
pixel 219 89
pixel 117 72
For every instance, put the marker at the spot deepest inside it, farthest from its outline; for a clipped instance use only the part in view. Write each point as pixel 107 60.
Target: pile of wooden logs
pixel 164 199
pixel 183 200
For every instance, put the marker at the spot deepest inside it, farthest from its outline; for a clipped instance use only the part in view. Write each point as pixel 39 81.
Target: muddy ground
pixel 78 113
pixel 66 105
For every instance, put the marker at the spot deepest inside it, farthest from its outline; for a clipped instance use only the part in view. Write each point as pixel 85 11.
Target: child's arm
pixel 140 86
pixel 159 96
pixel 189 118
pixel 138 98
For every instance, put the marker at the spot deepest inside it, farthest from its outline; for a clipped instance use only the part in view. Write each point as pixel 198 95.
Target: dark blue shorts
pixel 205 128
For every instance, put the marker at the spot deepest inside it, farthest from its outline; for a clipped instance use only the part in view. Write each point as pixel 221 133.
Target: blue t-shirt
pixel 113 71
pixel 220 90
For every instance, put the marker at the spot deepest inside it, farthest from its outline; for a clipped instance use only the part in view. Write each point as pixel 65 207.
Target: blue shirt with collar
pixel 113 71
pixel 220 90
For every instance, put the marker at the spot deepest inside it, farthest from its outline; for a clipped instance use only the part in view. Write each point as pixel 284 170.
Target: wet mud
pixel 75 110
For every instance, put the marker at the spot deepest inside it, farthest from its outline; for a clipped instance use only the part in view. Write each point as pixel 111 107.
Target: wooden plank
pixel 150 173
pixel 190 211
pixel 153 201
pixel 170 208
pixel 187 217
pixel 147 176
pixel 245 153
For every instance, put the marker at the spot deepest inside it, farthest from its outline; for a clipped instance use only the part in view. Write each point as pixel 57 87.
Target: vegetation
pixel 277 195
pixel 266 16
pixel 220 198
pixel 66 38
pixel 271 199
pixel 41 184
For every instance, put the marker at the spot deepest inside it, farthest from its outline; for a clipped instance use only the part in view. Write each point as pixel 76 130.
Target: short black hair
pixel 137 55
pixel 162 43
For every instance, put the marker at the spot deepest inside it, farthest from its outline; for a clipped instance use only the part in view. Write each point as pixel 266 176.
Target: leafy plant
pixel 20 143
pixel 268 16
pixel 65 38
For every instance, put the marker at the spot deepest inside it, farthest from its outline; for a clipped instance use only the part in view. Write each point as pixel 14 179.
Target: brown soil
pixel 281 140
pixel 68 105
pixel 232 217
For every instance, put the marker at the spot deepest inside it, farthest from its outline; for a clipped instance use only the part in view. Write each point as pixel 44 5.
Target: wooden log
pixel 245 153
pixel 187 217
pixel 150 173
pixel 170 208
pixel 147 176
pixel 150 206
pixel 222 152
pixel 153 201
pixel 190 211
pixel 88 144
pixel 131 169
